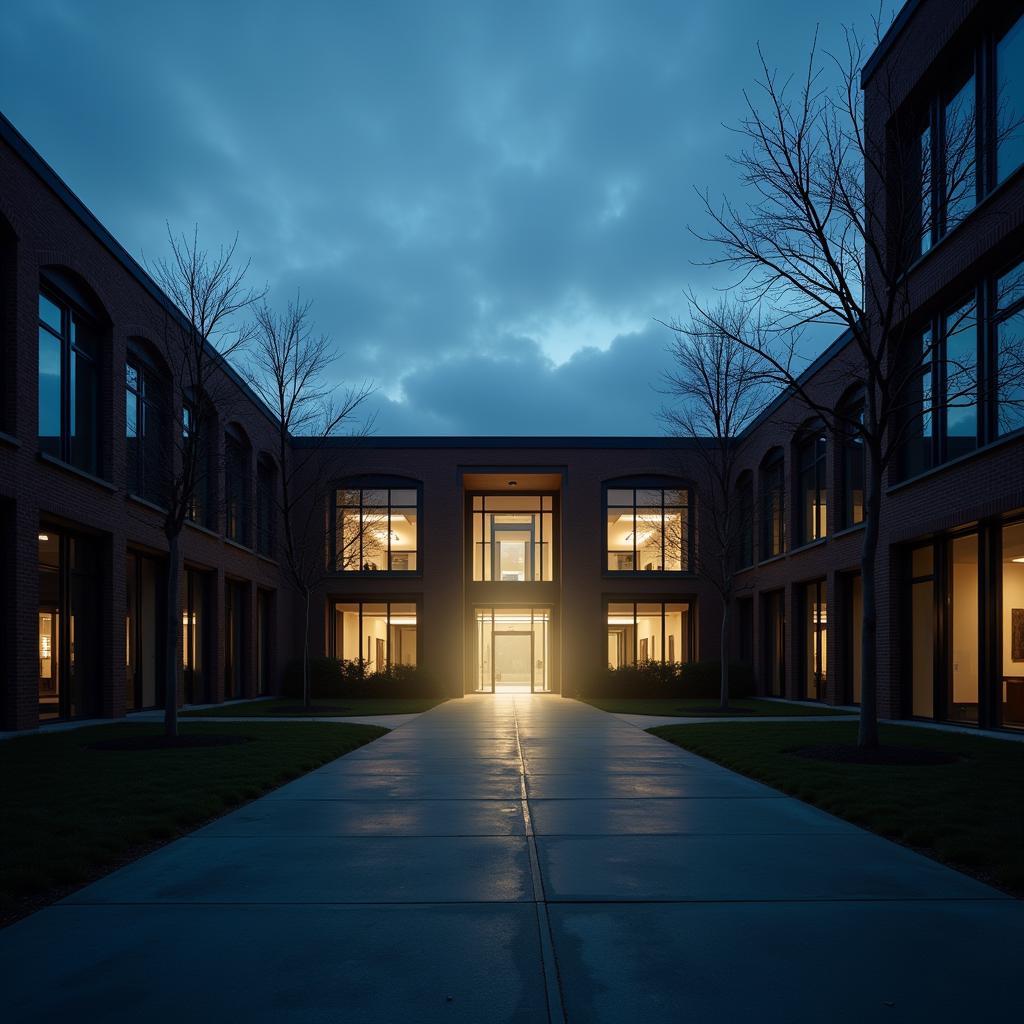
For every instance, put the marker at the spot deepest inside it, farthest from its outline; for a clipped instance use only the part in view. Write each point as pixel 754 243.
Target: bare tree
pixel 290 369
pixel 838 212
pixel 211 296
pixel 717 390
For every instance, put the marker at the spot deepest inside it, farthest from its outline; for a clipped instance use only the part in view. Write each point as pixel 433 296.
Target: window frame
pixel 363 484
pixel 774 462
pixel 690 637
pixel 360 602
pixel 687 508
pixel 810 459
pixel 151 398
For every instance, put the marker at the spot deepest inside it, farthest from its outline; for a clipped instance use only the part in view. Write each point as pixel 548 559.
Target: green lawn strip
pixel 69 814
pixel 335 707
pixel 968 814
pixel 698 707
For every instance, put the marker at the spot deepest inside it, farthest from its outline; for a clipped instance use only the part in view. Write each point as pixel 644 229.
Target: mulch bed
pixel 170 742
pixel 846 753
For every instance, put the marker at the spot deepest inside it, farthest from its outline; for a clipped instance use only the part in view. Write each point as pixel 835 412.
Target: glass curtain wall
pixel 513 538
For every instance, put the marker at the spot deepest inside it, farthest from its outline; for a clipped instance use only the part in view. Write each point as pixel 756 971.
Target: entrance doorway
pixel 512 650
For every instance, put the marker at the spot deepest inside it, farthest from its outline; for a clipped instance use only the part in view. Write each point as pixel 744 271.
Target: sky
pixel 490 204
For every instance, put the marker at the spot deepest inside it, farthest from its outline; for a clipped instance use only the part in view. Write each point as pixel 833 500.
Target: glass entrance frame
pixel 512 650
pixel 513 538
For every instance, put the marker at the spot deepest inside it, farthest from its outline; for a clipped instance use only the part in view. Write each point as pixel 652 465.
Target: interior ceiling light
pixel 46 536
pixel 1021 559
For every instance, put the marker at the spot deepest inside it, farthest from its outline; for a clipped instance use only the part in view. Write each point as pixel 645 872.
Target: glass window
pixel 376 635
pixel 772 506
pixel 512 538
pixel 196 459
pixel 959 155
pixel 1009 361
pixel 647 530
pixel 927 188
pixel 815 640
pixel 1009 101
pixel 641 632
pixel 811 459
pixel 960 371
pixel 266 506
pixel 964 597
pixel 194 630
pixel 236 489
pixel 1012 661
pixel 67 384
pixel 745 509
pixel 376 530
pixel 145 430
pixel 853 471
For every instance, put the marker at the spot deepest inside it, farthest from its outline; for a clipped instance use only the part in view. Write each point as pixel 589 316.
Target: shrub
pixel 654 679
pixel 330 677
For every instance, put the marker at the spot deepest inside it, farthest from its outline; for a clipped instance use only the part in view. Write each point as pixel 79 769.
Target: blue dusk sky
pixel 488 203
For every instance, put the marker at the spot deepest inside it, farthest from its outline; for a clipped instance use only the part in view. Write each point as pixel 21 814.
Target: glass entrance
pixel 512 650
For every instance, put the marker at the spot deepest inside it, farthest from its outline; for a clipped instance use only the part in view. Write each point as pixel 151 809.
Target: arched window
pixel 147 404
pixel 237 489
pixel 852 465
pixel 812 490
pixel 773 504
pixel 266 505
pixel 71 328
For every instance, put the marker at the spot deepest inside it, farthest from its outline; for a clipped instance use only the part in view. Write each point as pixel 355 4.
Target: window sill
pixel 146 503
pixel 811 544
pixel 269 559
pixel 642 574
pixel 50 460
pixel 774 558
pixel 387 574
pixel 10 440
pixel 1016 437
pixel 241 547
pixel 201 529
pixel 847 530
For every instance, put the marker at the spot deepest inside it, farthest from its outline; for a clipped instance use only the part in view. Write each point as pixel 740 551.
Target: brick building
pixel 521 563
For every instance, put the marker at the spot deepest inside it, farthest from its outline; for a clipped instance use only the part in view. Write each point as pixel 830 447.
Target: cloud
pixel 487 202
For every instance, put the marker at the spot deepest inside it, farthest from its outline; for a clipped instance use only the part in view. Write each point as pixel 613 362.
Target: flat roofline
pixel 498 441
pixel 888 41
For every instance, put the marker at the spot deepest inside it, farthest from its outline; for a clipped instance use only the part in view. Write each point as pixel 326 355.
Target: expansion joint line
pixel 549 964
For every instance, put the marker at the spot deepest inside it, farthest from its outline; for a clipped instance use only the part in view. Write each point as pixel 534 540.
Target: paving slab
pixel 523 859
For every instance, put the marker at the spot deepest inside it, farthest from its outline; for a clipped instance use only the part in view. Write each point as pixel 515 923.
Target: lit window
pixel 512 537
pixel 641 632
pixel 647 529
pixel 376 529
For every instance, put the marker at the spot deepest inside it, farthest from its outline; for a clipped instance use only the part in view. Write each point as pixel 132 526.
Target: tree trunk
pixel 306 695
pixel 172 633
pixel 867 735
pixel 723 653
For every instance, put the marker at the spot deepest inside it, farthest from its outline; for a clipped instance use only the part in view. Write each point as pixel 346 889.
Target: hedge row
pixel 330 677
pixel 654 679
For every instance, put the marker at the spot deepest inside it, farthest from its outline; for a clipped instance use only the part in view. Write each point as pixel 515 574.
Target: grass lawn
pixel 69 814
pixel 329 706
pixel 969 814
pixel 698 707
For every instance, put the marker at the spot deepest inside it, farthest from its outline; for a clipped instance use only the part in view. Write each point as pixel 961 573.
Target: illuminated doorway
pixel 512 650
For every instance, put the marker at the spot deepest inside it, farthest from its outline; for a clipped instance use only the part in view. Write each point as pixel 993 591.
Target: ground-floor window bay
pixel 379 633
pixel 643 631
pixel 964 605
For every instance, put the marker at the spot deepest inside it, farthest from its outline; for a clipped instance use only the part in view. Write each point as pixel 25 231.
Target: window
pixel 773 605
pixel 815 640
pixel 1008 331
pixel 943 419
pixel 1011 660
pixel 266 506
pixel 68 376
pixel 922 631
pixel 853 464
pixel 193 636
pixel 745 511
pixel 376 529
pixel 145 428
pixel 196 462
pixel 143 627
pixel 513 537
pixel 1009 101
pixel 647 529
pixel 649 631
pixel 970 137
pixel 236 487
pixel 377 634
pixel 236 637
pixel 773 539
pixel 812 493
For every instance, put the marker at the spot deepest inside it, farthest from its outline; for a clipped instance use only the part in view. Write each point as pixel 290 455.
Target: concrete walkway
pixel 521 859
